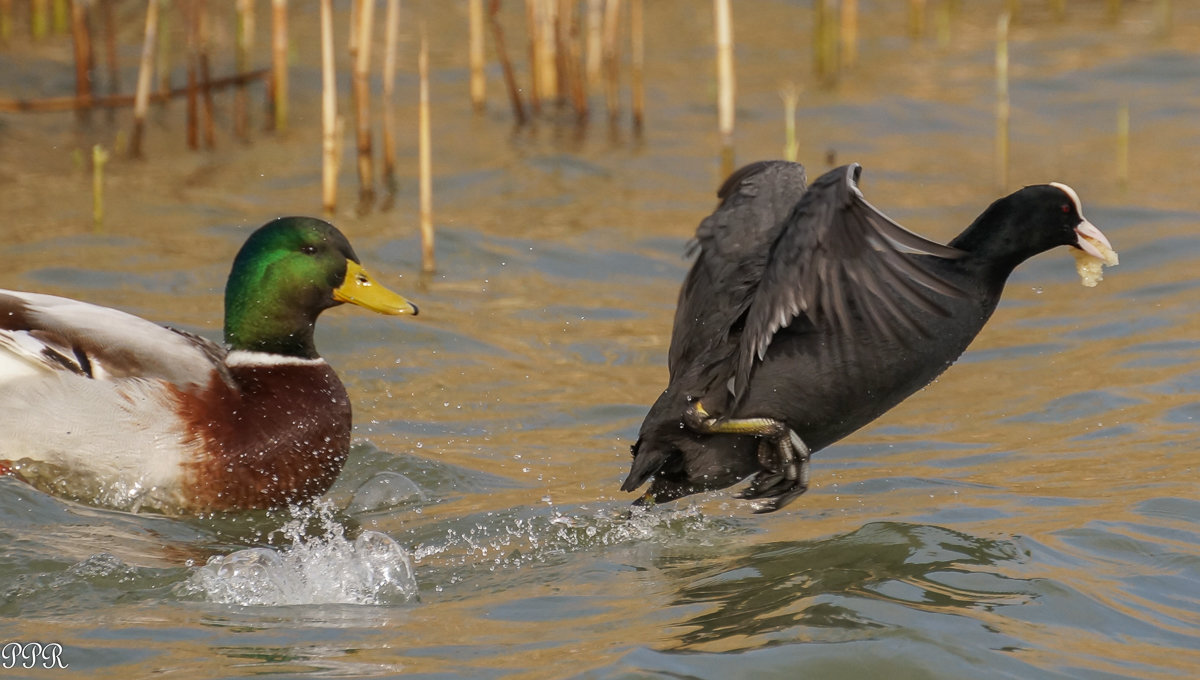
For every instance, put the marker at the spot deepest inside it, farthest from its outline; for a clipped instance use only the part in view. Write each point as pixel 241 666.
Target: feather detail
pixel 832 241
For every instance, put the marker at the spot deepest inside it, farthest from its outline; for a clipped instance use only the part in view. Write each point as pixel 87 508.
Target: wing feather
pixel 846 267
pixel 732 246
pixel 47 332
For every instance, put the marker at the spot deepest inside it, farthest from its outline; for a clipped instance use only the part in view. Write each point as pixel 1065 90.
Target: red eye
pixel 1066 208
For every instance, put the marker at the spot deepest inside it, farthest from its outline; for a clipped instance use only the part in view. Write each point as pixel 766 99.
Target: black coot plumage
pixel 809 313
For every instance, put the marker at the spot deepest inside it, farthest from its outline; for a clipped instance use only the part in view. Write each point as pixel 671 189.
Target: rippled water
pixel 1032 514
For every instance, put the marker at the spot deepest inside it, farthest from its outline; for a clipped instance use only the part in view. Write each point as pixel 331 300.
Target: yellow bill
pixel 360 289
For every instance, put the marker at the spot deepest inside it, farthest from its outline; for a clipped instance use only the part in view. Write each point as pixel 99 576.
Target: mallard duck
pixel 809 313
pixel 111 409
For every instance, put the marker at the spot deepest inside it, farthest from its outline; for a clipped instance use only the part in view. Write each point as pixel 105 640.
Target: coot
pixel 809 313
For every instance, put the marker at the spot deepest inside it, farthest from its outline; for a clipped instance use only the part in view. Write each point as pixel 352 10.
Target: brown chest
pixel 278 434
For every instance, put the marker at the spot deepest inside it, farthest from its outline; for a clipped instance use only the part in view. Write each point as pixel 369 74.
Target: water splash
pixel 514 540
pixel 326 569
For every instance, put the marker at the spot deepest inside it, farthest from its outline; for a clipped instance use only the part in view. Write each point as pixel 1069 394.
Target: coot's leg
pixel 781 452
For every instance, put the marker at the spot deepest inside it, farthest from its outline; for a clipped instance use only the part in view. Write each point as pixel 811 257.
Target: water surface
pixel 1032 514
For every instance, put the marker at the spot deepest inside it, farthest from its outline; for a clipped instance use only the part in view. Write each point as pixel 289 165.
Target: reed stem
pixel 245 44
pixel 791 98
pixel 163 53
pixel 200 19
pixel 425 159
pixel 825 43
pixel 61 11
pixel 391 33
pixel 548 48
pixel 99 159
pixel 362 101
pixel 279 70
pixel 594 50
pixel 532 25
pixel 475 35
pixel 572 61
pixel 50 104
pixel 145 75
pixel 510 79
pixel 637 56
pixel 82 40
pixel 329 117
pixel 612 59
pixel 849 33
pixel 110 46
pixel 723 20
pixel 39 20
pixel 193 105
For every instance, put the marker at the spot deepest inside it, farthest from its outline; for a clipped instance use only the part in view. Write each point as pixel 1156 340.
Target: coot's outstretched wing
pixel 733 244
pixel 841 263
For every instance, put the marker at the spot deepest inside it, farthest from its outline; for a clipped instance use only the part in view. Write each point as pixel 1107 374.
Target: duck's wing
pixel 840 262
pixel 732 243
pixel 49 333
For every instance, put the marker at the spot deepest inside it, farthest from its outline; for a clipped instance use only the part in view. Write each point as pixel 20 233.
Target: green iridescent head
pixel 288 272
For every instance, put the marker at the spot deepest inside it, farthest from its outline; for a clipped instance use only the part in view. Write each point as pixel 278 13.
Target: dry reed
pixel 110 46
pixel 329 122
pixel 279 71
pixel 594 50
pixel 99 159
pixel 200 23
pixel 360 51
pixel 145 75
pixel 510 79
pixel 791 98
pixel 475 50
pixel 425 159
pixel 723 21
pixel 848 35
pixel 571 53
pixel 193 129
pixel 82 41
pixel 611 58
pixel 391 33
pixel 532 25
pixel 825 43
pixel 39 18
pixel 245 45
pixel 637 57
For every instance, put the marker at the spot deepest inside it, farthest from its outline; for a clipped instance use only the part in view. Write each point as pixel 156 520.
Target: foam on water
pixel 326 569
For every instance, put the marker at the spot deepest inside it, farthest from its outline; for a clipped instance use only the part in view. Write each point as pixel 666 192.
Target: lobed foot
pixel 782 454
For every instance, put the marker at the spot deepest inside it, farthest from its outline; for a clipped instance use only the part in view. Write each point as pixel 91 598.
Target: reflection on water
pixel 802 587
pixel 1029 515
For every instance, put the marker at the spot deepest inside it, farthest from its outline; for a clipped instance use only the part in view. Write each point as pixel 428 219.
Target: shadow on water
pixel 817 586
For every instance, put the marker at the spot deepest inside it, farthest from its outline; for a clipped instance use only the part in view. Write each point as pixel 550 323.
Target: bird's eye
pixel 308 249
pixel 1066 208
